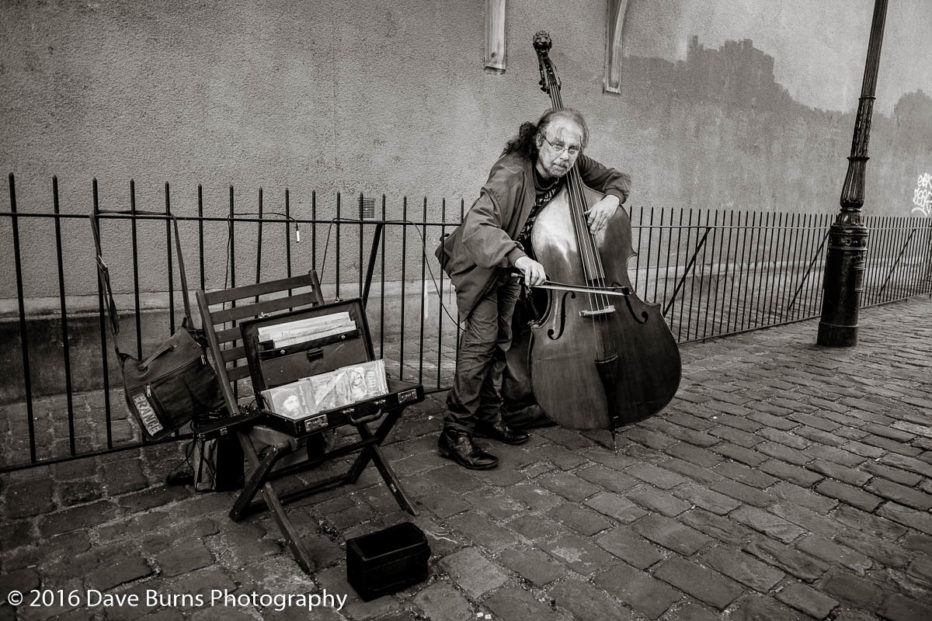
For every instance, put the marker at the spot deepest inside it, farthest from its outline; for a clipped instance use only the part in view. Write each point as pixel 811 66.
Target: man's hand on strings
pixel 533 271
pixel 599 213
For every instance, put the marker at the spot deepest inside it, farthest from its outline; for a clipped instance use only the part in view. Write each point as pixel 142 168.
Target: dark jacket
pixel 485 241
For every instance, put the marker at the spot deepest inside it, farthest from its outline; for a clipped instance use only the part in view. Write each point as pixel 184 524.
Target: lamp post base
pixel 831 335
pixel 842 282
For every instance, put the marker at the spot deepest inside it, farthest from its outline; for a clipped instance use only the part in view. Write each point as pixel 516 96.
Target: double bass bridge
pixel 593 312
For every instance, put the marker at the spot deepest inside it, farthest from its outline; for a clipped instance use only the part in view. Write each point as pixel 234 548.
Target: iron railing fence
pixel 713 273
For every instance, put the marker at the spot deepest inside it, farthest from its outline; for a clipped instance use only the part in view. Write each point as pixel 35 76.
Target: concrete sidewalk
pixel 784 481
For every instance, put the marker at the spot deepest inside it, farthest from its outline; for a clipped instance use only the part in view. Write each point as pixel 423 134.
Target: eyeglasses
pixel 572 151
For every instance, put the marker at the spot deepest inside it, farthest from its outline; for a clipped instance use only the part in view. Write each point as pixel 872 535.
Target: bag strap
pixel 104 273
pixel 103 277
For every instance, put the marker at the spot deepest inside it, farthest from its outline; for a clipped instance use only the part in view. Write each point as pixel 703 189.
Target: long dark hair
pixel 525 142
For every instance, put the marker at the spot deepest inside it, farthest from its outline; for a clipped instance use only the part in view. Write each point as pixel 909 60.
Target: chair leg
pixel 256 480
pixel 362 460
pixel 257 483
pixel 391 480
pixel 373 453
pixel 301 555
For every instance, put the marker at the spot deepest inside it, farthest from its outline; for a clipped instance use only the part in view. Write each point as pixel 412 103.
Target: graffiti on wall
pixel 922 197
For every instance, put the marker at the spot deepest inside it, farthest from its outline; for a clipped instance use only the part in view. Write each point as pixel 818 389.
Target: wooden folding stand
pixel 276 447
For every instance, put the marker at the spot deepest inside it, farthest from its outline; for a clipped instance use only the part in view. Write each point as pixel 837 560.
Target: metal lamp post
pixel 847 249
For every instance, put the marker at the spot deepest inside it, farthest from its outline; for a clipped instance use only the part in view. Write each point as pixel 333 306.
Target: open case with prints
pixel 315 369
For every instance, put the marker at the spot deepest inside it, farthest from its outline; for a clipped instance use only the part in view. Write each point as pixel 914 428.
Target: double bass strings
pixel 584 240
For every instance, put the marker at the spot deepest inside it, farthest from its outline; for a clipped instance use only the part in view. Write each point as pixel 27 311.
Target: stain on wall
pixel 745 143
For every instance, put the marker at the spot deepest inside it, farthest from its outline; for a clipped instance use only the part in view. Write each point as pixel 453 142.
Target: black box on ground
pixel 387 560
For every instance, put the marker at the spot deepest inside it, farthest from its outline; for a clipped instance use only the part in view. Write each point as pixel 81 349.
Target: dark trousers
pixel 486 336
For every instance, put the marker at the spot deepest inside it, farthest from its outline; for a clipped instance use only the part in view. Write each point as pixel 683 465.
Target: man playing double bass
pixel 481 255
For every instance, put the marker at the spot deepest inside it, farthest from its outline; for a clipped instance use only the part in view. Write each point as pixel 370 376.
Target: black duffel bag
pixel 175 383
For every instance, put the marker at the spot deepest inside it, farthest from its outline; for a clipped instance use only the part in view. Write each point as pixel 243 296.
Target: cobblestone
pixel 792 440
pixel 639 590
pixel 756 606
pixel 671 534
pixel 852 589
pixel 578 553
pixel 514 604
pixel 118 571
pixel 919 520
pixel 808 519
pixel 659 477
pixel 738 453
pixel 585 601
pixel 743 493
pixel 902 494
pixel 703 584
pixel 743 568
pixel 839 472
pixel 580 519
pixel 836 554
pixel 898 607
pixel 743 439
pixel 779 483
pixel 630 547
pixel 787 558
pixel 473 572
pixel 699 456
pixel 810 601
pixel 707 499
pixel 891 445
pixel 533 565
pixel 27 498
pixel 849 494
pixel 653 499
pixel 442 601
pixel 184 557
pixel 767 523
pixel 615 506
pixel 817 435
pixel 568 486
pixel 718 527
pixel 743 474
pixel 607 478
pixel 907 463
pixel 893 474
pixel 482 531
pixel 803 497
pixel 791 473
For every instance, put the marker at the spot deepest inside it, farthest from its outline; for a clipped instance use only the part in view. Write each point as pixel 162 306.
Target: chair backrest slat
pixel 252 310
pixel 282 294
pixel 229 334
pixel 221 296
pixel 234 353
pixel 237 373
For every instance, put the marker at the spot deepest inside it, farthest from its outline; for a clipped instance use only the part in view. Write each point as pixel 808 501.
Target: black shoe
pixel 501 432
pixel 459 446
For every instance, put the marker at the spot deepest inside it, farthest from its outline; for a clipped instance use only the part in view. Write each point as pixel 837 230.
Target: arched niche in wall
pixel 614 29
pixel 495 35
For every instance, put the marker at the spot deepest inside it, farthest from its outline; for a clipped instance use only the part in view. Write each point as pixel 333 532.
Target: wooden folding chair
pixel 223 313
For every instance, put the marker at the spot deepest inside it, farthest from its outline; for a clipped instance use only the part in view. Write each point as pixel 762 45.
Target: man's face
pixel 559 145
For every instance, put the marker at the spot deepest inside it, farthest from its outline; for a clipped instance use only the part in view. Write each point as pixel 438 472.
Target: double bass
pixel 598 357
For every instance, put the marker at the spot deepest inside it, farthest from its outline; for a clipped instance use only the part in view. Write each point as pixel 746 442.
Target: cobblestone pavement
pixel 785 481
